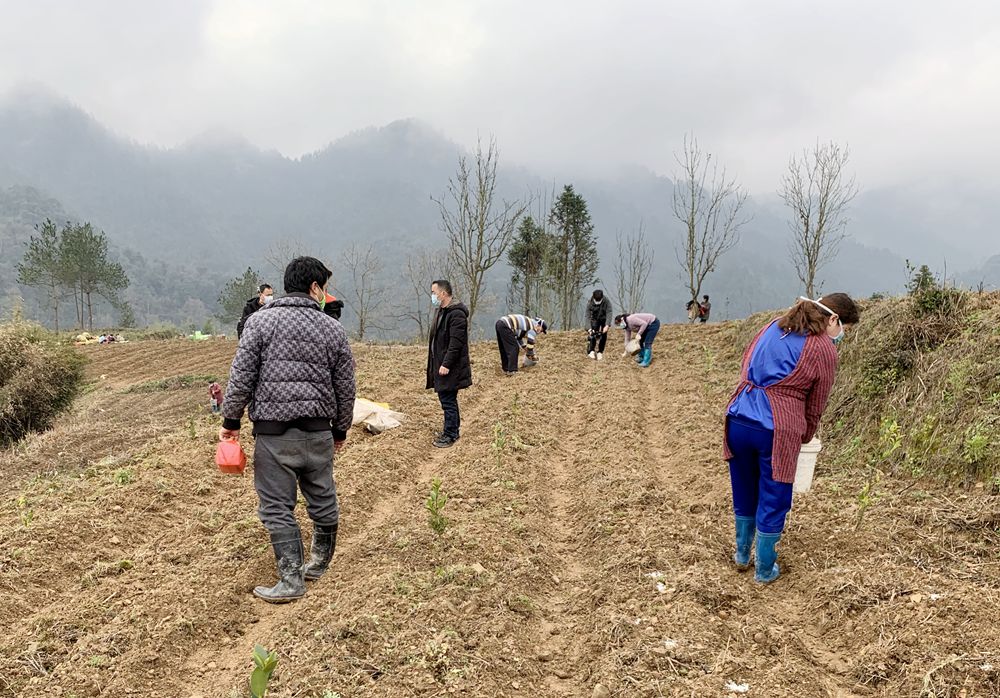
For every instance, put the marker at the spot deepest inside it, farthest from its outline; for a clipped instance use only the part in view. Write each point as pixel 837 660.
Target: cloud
pixel 569 86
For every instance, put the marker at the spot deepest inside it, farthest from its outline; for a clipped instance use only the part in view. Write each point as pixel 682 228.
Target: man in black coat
pixel 265 294
pixel 448 367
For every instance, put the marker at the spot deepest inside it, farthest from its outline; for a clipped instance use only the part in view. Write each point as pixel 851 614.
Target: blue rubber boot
pixel 744 541
pixel 647 357
pixel 767 557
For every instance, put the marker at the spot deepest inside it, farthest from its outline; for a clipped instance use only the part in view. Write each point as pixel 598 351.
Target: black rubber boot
pixel 323 544
pixel 288 553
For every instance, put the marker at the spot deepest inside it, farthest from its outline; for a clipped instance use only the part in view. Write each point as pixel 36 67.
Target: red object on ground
pixel 230 458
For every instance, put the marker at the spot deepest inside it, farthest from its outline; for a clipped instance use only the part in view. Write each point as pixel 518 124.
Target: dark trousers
pixel 510 350
pixel 452 418
pixel 755 493
pixel 285 463
pixel 650 334
pixel 597 339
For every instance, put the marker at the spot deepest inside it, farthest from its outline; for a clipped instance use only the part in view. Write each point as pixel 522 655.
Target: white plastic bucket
pixel 806 466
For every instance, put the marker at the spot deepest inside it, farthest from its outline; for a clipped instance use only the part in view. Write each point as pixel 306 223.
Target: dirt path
pixel 589 542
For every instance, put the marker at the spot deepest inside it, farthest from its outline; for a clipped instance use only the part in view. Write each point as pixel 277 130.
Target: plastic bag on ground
pixel 375 416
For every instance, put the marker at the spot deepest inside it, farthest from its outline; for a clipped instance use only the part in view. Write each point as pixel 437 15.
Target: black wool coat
pixel 449 346
pixel 252 306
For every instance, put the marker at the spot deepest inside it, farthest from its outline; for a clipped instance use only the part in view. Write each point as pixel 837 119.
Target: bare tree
pixel 479 227
pixel 279 253
pixel 710 206
pixel 421 268
pixel 632 268
pixel 367 293
pixel 818 192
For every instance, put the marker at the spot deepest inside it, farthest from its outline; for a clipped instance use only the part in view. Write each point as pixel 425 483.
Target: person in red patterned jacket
pixel 788 372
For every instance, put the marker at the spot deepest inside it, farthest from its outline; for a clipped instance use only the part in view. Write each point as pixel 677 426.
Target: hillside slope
pixel 589 542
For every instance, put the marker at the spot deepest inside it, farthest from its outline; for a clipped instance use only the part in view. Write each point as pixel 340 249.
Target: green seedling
pixel 435 505
pixel 25 513
pixel 499 442
pixel 264 665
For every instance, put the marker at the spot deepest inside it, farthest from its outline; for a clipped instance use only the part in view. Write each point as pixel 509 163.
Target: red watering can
pixel 230 458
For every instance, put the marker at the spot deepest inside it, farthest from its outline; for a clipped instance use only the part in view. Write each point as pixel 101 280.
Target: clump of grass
pixel 39 379
pixel 123 476
pixel 927 361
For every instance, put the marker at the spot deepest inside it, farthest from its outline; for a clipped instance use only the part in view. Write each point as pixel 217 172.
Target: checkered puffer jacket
pixel 293 363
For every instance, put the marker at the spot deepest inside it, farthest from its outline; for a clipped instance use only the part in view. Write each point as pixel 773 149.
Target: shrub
pixel 38 380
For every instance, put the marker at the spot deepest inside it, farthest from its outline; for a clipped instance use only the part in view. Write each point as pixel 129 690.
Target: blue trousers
pixel 650 334
pixel 755 493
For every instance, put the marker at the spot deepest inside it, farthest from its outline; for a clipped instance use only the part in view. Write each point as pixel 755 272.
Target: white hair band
pixel 810 300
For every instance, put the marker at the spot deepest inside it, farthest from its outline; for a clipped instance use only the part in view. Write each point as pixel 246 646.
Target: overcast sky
pixel 912 85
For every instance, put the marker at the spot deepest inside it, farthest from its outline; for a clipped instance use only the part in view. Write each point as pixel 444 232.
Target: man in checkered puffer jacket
pixel 295 372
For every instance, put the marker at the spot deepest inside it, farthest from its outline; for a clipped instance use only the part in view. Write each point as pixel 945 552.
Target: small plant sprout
pixel 435 505
pixel 499 442
pixel 25 512
pixel 264 665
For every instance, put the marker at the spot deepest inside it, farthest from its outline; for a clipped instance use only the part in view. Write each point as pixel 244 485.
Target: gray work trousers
pixel 284 463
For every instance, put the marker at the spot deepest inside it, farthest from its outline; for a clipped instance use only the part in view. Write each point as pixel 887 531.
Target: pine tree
pixel 573 261
pixel 527 257
pixel 235 294
pixel 42 265
pixel 85 263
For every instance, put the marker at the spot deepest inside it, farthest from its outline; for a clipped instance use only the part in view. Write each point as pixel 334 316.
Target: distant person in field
pixel 598 323
pixel 333 306
pixel 265 294
pixel 295 370
pixel 788 371
pixel 215 397
pixel 704 309
pixel 644 326
pixel 448 367
pixel 516 332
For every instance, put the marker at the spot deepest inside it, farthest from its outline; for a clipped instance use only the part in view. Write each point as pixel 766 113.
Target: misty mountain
pixel 185 219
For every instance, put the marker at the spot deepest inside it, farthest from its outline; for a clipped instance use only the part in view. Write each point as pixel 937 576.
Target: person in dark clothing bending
pixel 265 294
pixel 295 370
pixel 448 367
pixel 598 323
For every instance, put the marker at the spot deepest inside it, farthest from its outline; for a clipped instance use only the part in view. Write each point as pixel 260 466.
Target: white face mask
pixel 435 300
pixel 621 325
pixel 268 299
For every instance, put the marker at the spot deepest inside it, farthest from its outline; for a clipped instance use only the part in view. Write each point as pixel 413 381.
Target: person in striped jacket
pixel 516 332
pixel 788 372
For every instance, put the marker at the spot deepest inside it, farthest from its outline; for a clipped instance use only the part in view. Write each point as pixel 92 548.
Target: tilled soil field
pixel 587 551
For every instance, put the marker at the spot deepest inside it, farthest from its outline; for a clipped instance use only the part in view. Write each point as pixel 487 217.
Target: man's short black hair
pixel 444 285
pixel 263 287
pixel 705 296
pixel 301 272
